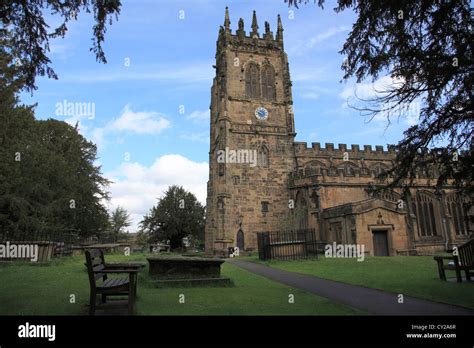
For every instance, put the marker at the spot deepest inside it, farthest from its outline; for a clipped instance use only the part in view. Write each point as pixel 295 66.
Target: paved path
pixel 370 300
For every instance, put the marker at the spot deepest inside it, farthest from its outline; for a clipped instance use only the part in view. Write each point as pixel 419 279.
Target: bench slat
pixel 114 282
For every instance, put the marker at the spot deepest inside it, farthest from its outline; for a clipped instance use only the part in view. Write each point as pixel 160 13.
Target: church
pixel 292 185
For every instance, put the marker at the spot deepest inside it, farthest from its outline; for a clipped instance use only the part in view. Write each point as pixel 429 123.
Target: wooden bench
pixel 463 261
pixel 122 265
pixel 101 284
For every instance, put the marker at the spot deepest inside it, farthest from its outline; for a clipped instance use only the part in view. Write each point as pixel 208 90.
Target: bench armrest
pixel 124 265
pixel 117 271
pixel 439 258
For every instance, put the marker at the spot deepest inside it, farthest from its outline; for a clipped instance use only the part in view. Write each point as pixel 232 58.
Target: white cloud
pixel 97 137
pixel 129 121
pixel 198 116
pixel 137 187
pixel 364 94
pixel 301 47
pixel 142 122
pixel 370 90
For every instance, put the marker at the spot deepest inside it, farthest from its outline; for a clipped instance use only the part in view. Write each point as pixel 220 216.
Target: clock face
pixel 261 113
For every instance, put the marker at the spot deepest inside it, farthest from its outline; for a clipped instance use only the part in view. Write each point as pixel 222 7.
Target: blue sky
pixel 151 100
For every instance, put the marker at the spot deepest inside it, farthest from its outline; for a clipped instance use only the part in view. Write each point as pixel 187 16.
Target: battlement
pixel 253 36
pixel 307 176
pixel 355 151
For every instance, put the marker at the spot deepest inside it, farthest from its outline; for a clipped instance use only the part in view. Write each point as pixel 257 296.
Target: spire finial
pixel 268 34
pixel 254 24
pixel 279 35
pixel 241 31
pixel 227 20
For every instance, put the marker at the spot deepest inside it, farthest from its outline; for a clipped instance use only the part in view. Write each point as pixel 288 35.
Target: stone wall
pixel 238 193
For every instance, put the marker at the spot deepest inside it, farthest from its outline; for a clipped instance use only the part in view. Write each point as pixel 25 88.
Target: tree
pixel 425 46
pixel 177 215
pixel 142 239
pixel 119 221
pixel 49 182
pixel 24 23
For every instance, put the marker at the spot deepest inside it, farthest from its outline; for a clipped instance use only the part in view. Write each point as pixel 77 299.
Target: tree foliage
pixel 30 33
pixel 178 214
pixel 119 220
pixel 49 182
pixel 426 47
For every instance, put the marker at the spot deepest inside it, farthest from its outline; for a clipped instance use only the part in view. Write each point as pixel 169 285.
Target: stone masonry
pixel 260 179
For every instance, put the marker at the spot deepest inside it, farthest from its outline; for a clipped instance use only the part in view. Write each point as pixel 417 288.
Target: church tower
pixel 251 137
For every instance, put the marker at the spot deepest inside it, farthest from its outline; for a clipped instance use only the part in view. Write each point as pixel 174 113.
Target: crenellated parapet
pixel 355 152
pixel 252 41
pixel 318 164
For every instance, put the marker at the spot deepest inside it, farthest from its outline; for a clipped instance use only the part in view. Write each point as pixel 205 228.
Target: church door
pixel 380 243
pixel 240 240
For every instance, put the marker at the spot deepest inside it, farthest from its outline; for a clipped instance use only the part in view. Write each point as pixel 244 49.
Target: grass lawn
pixel 34 289
pixel 415 276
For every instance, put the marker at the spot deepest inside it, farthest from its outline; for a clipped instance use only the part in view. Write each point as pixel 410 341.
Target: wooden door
pixel 240 240
pixel 380 243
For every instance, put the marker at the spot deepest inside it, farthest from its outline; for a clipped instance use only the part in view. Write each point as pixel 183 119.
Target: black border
pixel 230 330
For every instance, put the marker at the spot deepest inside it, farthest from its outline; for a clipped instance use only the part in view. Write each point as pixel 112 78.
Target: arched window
pixel 252 81
pixel 454 203
pixel 316 200
pixel 425 208
pixel 348 168
pixel 262 157
pixel 332 170
pixel 268 83
pixel 378 168
pixel 314 167
pixel 220 204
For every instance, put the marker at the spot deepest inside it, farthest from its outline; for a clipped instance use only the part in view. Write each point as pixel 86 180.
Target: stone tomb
pixel 186 271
